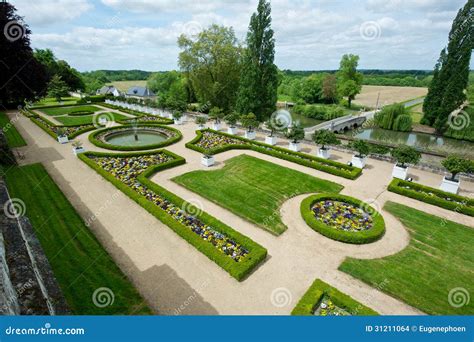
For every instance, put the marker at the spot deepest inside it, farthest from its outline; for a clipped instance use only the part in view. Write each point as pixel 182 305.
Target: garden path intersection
pixel 168 271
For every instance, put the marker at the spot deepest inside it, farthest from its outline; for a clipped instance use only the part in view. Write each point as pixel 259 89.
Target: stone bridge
pixel 338 125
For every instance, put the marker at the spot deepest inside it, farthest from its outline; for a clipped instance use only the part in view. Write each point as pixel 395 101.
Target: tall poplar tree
pixel 259 78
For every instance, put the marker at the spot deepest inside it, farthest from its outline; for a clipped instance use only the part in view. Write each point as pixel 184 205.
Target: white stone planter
pixel 201 127
pixel 400 172
pixel 103 121
pixel 232 130
pixel 177 121
pixel 63 139
pixel 450 186
pixel 207 161
pixel 359 162
pixel 295 147
pixel 271 140
pixel 216 126
pixel 78 150
pixel 170 116
pixel 324 153
pixel 250 135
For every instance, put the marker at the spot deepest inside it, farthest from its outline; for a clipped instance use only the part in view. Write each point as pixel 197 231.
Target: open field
pixel 254 189
pixel 88 119
pixel 14 139
pixel 123 86
pixel 388 95
pixel 80 263
pixel 438 259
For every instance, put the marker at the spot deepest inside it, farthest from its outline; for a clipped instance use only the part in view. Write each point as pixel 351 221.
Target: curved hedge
pixel 308 303
pixel 362 237
pixel 238 270
pixel 325 165
pixel 438 197
pixel 178 136
pixel 81 113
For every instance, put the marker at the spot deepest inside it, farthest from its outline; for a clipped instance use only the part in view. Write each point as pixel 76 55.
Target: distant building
pixel 107 90
pixel 140 93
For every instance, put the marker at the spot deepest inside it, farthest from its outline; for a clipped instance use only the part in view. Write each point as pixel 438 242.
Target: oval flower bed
pixel 343 218
pixel 99 138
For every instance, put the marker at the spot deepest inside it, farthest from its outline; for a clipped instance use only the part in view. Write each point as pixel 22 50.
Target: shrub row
pixel 438 197
pixel 320 112
pixel 165 121
pixel 81 113
pixel 93 139
pixel 238 270
pixel 320 164
pixel 34 118
pixel 312 298
pixel 362 237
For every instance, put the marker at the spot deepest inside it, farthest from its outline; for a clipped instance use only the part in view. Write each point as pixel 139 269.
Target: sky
pixel 310 34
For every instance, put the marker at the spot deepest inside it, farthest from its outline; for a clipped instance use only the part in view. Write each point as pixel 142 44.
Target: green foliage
pixel 362 237
pixel 462 125
pixel 14 138
pixel 231 185
pixel 350 80
pixel 216 114
pixel 387 117
pixel 437 260
pixel 404 154
pixel 325 137
pixel 455 165
pixel 200 120
pixel 79 120
pixel 295 132
pixel 238 270
pixel 403 123
pixel 49 208
pixel 319 112
pixel 433 196
pixel 212 64
pixel 231 119
pixel 259 78
pixel 362 148
pixel 57 88
pixel 313 296
pixel 249 121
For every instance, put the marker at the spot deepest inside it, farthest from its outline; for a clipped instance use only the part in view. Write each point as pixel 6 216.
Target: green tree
pixel 259 82
pixel 22 77
pixel 212 63
pixel 231 119
pixel 325 137
pixel 57 88
pixel 350 80
pixel 295 133
pixel 394 117
pixel 216 114
pixel 249 121
pixel 455 165
pixel 404 154
pixel 362 148
pixel 329 88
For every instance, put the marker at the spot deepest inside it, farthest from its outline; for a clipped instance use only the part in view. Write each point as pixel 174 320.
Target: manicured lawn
pixel 14 139
pixel 80 263
pixel 88 119
pixel 439 258
pixel 67 110
pixel 254 189
pixel 52 102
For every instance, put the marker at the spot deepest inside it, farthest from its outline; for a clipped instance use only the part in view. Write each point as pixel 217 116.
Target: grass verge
pixel 14 138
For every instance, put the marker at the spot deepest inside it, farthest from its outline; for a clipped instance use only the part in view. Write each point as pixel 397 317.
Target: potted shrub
pixel 201 122
pixel 62 137
pixel 231 121
pixel 404 155
pixel 295 133
pixel 323 138
pixel 455 165
pixel 77 147
pixel 216 114
pixel 249 121
pixel 363 150
pixel 177 116
pixel 271 139
pixel 207 160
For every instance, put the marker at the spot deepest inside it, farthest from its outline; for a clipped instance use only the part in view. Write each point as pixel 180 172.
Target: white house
pixel 107 90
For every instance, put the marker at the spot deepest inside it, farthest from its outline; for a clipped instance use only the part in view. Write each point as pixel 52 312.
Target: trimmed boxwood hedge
pixel 325 165
pixel 238 270
pixel 172 140
pixel 34 117
pixel 81 113
pixel 311 299
pixel 362 237
pixel 397 186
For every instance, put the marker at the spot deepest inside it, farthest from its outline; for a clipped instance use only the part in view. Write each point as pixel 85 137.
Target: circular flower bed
pixel 99 138
pixel 343 218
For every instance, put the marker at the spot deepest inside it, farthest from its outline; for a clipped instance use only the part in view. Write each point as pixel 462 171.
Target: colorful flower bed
pixel 153 118
pixel 127 169
pixel 328 308
pixel 69 131
pixel 343 216
pixel 212 140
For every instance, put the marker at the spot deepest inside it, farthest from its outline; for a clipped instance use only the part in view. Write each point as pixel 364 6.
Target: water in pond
pixel 422 140
pixel 128 138
pixel 305 121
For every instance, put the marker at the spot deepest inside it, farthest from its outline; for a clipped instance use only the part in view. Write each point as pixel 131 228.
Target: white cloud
pixel 46 12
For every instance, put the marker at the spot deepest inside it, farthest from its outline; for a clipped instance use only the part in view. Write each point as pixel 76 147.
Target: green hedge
pixel 311 299
pixel 238 270
pixel 81 113
pixel 438 198
pixel 172 140
pixel 53 134
pixel 362 237
pixel 320 164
